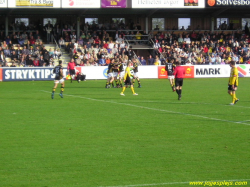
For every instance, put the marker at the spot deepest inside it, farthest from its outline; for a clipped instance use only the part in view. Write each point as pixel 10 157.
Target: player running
pixel 233 83
pixel 179 74
pixel 127 80
pixel 58 70
pixel 170 69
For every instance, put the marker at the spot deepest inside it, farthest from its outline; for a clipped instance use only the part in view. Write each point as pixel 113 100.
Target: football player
pixel 58 70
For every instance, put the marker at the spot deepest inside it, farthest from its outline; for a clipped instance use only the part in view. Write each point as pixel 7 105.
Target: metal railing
pixel 132 38
pixel 57 46
pixel 161 56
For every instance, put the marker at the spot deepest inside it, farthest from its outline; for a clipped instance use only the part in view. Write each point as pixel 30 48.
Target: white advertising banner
pixel 34 3
pixel 209 71
pixel 168 4
pixel 81 4
pixel 100 72
pixel 3 3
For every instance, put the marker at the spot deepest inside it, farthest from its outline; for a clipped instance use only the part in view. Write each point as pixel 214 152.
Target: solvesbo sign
pixel 227 3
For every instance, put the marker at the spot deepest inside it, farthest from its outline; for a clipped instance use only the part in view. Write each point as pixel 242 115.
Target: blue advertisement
pixel 28 74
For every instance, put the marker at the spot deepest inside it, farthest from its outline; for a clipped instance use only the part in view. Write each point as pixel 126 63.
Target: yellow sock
pixel 53 90
pixel 132 89
pixel 123 89
pixel 234 97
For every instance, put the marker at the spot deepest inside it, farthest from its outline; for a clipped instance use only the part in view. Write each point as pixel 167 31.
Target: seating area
pixel 188 47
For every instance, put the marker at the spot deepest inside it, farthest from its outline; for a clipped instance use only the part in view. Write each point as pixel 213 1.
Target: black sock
pixel 177 91
pixel 180 92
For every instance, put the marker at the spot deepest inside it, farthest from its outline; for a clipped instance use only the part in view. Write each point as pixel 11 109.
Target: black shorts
pixel 178 82
pixel 81 77
pixel 230 88
pixel 72 72
pixel 128 81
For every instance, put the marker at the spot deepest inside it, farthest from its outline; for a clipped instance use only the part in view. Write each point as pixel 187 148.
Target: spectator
pixel 102 61
pixel 143 61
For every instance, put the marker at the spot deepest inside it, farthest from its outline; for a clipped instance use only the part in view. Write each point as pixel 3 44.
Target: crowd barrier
pixel 100 72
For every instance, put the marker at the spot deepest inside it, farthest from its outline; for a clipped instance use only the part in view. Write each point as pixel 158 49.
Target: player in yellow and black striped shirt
pixel 233 82
pixel 127 80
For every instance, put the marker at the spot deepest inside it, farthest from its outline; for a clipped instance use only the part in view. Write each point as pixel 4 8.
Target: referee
pixel 179 74
pixel 71 69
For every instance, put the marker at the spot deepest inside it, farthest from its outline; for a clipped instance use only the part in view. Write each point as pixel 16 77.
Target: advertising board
pixel 168 4
pixel 100 72
pixel 114 3
pixel 227 3
pixel 81 4
pixel 3 3
pixel 34 3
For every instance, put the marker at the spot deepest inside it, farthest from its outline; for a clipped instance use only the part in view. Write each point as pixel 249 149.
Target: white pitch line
pixel 169 183
pixel 213 104
pixel 156 109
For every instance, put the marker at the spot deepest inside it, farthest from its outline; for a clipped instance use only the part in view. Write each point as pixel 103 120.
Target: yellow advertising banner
pixel 34 3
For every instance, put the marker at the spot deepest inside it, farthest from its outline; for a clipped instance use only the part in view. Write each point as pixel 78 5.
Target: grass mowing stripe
pixel 175 183
pixel 156 109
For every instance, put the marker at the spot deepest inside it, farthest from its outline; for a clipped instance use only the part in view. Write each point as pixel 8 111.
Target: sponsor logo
pixel 228 2
pixel 242 69
pixel 29 74
pixel 71 3
pixel 208 71
pixel 188 70
pixel 105 72
pixel 163 71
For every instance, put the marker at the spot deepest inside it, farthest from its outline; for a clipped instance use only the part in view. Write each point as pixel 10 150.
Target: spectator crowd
pixel 197 48
pixel 98 47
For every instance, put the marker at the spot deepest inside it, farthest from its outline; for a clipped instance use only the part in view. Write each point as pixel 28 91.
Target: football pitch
pixel 93 137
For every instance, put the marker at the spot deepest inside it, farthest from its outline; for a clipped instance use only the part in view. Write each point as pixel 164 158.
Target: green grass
pixel 95 137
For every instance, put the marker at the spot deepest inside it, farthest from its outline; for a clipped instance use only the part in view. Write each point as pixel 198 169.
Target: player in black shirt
pixel 135 75
pixel 115 73
pixel 58 70
pixel 110 75
pixel 120 73
pixel 170 69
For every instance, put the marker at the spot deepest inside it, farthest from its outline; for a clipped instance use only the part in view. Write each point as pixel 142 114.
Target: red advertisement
pixel 162 73
pixel 77 69
pixel 1 74
pixel 189 71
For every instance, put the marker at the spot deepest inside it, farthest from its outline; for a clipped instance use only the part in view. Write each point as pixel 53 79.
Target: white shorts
pixel 136 74
pixel 110 75
pixel 115 74
pixel 59 81
pixel 171 77
pixel 121 75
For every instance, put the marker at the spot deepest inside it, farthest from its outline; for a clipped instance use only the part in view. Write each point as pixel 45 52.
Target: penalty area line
pixel 155 109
